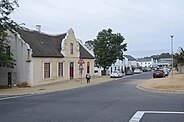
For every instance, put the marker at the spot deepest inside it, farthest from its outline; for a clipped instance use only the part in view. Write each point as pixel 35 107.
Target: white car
pixel 137 71
pixel 116 74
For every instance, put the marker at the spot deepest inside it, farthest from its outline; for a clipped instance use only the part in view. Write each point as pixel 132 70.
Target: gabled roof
pixel 130 58
pixel 84 53
pixel 43 45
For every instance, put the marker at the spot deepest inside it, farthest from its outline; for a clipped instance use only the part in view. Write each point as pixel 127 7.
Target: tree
pixel 89 44
pixel 179 57
pixel 6 24
pixel 108 47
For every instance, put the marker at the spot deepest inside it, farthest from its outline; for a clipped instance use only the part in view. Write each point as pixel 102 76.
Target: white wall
pixel 23 69
pixel 118 65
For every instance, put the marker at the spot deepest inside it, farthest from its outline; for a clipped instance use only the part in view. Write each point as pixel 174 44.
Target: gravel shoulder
pixel 167 84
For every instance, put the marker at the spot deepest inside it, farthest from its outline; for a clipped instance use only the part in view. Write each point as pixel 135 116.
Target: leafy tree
pixel 6 24
pixel 108 47
pixel 179 57
pixel 89 44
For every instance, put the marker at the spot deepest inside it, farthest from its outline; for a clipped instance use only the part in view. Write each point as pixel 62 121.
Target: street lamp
pixel 172 36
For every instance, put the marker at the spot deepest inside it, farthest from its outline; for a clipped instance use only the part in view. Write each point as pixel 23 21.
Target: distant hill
pixel 159 56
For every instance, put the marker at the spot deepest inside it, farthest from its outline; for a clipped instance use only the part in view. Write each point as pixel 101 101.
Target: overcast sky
pixel 145 24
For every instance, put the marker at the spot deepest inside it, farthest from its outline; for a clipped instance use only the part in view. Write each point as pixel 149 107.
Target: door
pixel 9 79
pixel 71 70
pixel 88 67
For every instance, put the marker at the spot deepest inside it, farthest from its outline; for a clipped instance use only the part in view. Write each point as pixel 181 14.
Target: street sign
pixel 81 61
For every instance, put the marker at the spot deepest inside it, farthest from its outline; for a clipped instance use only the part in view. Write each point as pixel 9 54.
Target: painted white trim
pixel 73 69
pixel 63 51
pixel 43 71
pixel 50 71
pixel 79 41
pixel 63 68
pixel 139 114
pixel 69 70
pixel 57 69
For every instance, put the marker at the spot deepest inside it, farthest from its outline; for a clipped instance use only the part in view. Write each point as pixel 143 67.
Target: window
pixel 46 70
pixel 28 55
pixel 71 48
pixel 88 67
pixel 96 71
pixel 60 69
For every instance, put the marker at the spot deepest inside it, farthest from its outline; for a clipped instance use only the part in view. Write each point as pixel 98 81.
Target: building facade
pixel 43 58
pixel 119 65
pixel 148 62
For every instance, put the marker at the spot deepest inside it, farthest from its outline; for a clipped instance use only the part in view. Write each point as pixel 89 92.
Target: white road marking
pixel 139 114
pixel 13 97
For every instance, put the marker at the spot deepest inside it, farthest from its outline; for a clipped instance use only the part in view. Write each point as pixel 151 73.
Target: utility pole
pixel 172 36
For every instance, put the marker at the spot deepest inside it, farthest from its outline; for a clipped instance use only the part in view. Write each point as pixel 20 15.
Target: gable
pixel 130 58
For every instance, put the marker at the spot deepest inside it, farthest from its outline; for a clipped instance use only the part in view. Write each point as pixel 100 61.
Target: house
pixel 145 62
pixel 164 62
pixel 129 61
pixel 43 58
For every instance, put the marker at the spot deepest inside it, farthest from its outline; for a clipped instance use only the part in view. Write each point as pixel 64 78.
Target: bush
pixel 23 84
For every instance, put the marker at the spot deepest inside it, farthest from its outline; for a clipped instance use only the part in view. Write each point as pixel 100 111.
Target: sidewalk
pixel 165 85
pixel 52 87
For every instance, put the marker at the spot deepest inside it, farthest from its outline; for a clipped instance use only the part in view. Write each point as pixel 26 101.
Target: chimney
pixel 38 28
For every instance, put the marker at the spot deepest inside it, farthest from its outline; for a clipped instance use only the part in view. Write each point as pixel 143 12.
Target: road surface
pixel 115 101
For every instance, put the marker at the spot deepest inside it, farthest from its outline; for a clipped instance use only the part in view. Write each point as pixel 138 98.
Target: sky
pixel 145 24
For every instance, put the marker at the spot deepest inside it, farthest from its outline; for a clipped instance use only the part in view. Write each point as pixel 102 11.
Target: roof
pixel 165 59
pixel 84 54
pixel 43 45
pixel 144 60
pixel 130 58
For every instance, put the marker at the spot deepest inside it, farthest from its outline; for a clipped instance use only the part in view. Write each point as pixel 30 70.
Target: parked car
pixel 129 72
pixel 166 71
pixel 158 74
pixel 145 69
pixel 116 74
pixel 137 71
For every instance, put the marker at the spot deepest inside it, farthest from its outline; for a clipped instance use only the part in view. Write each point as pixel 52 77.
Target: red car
pixel 158 74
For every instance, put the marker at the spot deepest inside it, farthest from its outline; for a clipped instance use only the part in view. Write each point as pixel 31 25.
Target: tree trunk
pixel 104 71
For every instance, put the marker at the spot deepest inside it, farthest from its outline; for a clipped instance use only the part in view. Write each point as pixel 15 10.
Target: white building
pixel 145 62
pixel 44 58
pixel 164 62
pixel 130 61
pixel 120 65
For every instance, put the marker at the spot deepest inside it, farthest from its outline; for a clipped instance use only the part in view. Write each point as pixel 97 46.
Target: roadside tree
pixel 6 24
pixel 108 47
pixel 89 44
pixel 179 57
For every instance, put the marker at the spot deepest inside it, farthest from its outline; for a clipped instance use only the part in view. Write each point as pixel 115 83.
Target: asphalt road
pixel 115 101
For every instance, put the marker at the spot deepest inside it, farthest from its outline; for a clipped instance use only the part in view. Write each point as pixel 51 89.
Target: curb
pixel 4 97
pixel 141 87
